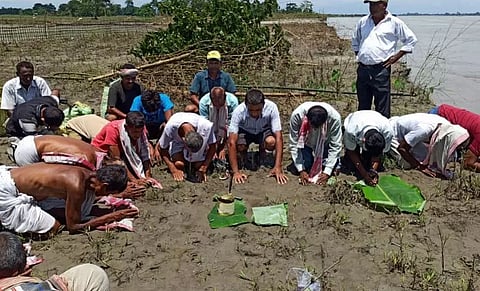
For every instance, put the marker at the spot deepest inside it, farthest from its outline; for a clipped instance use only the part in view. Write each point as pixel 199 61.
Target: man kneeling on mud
pixel 64 150
pixel 187 141
pixel 22 189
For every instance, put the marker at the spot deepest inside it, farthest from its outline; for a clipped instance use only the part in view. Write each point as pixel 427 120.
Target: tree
pixel 232 26
pixel 115 9
pixel 145 10
pixel 154 5
pixel 306 6
pixel 292 7
pixel 40 8
pixel 129 8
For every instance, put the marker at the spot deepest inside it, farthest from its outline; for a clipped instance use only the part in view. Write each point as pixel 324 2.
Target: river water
pixel 446 56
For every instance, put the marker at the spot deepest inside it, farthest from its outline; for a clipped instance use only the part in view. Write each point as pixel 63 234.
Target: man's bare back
pixel 42 180
pixel 66 145
pixel 71 183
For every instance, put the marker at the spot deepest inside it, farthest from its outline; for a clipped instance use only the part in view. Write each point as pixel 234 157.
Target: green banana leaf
pixel 393 192
pixel 238 217
pixel 270 215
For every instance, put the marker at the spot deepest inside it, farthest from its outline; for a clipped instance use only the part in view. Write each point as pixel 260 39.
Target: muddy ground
pixel 332 231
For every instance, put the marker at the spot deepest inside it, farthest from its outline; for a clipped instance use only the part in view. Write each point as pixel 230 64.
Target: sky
pixel 325 6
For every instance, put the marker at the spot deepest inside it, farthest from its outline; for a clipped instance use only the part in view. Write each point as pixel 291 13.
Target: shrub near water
pixel 230 26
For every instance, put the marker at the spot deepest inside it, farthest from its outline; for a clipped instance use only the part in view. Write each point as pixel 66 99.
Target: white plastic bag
pixel 305 280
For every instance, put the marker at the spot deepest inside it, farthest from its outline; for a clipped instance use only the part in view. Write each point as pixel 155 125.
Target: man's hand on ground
pixel 322 180
pixel 178 175
pixel 372 178
pixel 201 176
pixel 303 178
pixel 239 177
pixel 133 190
pixel 145 182
pixel 279 175
pixel 222 155
pixel 124 213
pixel 424 169
pixel 155 159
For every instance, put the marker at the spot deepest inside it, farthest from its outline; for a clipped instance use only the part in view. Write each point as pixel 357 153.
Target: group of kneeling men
pixel 65 174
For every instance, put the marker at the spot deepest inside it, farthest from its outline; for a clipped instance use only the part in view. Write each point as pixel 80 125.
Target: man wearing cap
pixel 367 136
pixel 374 42
pixel 213 76
pixel 24 87
pixel 122 93
pixel 188 141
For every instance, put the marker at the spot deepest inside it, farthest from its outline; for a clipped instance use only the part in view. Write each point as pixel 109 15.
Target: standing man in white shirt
pixel 374 42
pixel 22 88
pixel 256 120
pixel 367 136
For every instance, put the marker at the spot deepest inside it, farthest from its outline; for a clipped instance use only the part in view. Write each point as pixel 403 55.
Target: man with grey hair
pixel 15 273
pixel 188 139
pixel 217 106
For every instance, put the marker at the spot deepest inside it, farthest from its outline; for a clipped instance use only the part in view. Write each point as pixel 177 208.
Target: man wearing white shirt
pixel 256 121
pixel 187 140
pixel 315 141
pixel 24 87
pixel 426 142
pixel 374 42
pixel 367 136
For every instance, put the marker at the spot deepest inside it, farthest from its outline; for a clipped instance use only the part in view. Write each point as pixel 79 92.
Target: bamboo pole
pixel 157 63
pixel 317 90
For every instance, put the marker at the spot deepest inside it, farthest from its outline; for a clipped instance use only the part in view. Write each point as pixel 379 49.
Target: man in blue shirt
pixel 157 109
pixel 213 76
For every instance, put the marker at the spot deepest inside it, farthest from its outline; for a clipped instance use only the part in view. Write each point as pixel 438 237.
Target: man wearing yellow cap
pixel 207 79
pixel 374 42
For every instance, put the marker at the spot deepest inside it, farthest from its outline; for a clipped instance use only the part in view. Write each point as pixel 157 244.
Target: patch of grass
pixel 344 193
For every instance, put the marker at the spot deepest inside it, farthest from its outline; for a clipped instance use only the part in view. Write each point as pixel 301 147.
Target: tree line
pixel 87 8
pixel 97 8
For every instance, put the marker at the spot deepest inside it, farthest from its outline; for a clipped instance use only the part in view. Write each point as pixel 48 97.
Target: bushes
pixel 230 26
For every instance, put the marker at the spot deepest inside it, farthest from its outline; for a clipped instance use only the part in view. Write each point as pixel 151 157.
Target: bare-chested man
pixel 31 149
pixel 22 188
pixel 65 150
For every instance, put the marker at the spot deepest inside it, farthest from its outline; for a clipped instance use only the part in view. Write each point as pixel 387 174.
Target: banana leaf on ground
pixel 394 193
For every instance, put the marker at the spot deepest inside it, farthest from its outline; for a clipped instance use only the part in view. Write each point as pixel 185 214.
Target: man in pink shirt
pixel 126 139
pixel 471 122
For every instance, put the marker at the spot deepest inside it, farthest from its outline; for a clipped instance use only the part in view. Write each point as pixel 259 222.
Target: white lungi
pixel 19 212
pixel 26 152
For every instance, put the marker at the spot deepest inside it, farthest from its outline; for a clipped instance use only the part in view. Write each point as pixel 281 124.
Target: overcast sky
pixel 325 6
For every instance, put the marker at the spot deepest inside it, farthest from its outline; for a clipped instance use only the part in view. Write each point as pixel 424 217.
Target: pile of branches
pixel 232 27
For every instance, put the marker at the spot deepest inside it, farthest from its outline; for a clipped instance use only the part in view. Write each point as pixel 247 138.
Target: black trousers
pixel 374 81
